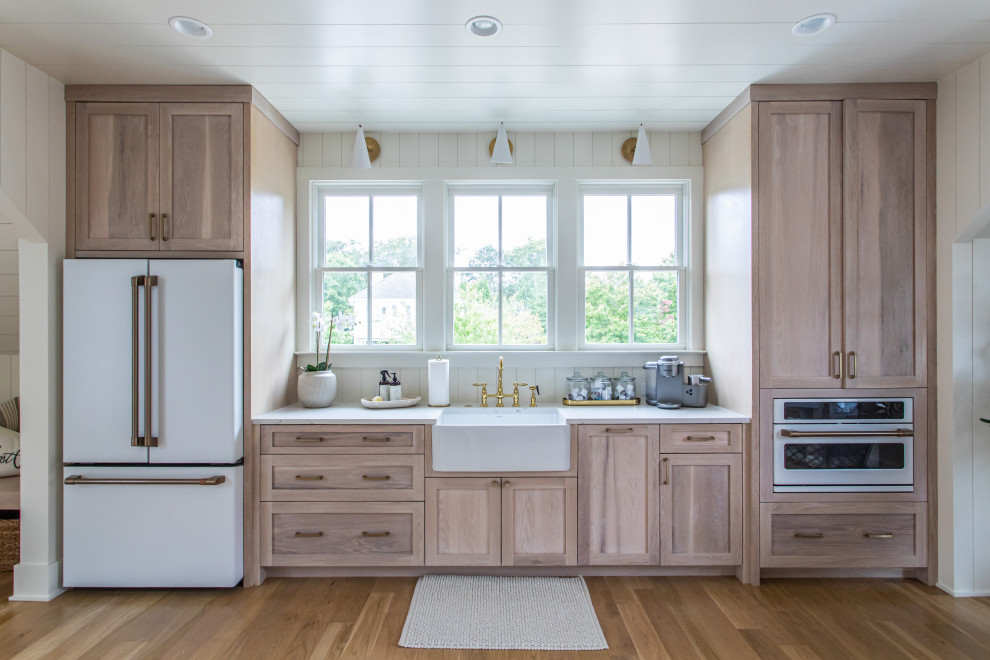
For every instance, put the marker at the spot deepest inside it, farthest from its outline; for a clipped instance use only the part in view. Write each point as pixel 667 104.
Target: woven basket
pixel 10 544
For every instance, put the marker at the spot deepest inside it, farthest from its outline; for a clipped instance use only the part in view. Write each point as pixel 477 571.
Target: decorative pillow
pixel 10 453
pixel 10 414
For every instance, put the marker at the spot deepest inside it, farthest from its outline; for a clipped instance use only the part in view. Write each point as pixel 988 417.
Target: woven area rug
pixel 488 612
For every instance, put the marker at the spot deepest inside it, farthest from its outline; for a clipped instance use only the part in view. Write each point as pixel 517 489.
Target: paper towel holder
pixel 441 405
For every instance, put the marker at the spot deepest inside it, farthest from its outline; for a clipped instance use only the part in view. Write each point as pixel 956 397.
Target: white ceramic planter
pixel 317 389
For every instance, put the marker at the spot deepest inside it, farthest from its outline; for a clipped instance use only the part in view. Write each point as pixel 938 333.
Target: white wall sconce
pixel 366 150
pixel 637 150
pixel 500 148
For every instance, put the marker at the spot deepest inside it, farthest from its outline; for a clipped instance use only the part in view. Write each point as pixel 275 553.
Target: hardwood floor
pixel 710 617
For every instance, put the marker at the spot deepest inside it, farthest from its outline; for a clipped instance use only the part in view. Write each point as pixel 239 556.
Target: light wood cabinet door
pixel 202 202
pixel 618 495
pixel 800 244
pixel 539 522
pixel 117 176
pixel 463 522
pixel 701 509
pixel 885 234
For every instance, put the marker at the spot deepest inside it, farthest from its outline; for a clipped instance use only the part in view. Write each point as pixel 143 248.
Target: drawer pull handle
pixel 884 535
pixel 699 438
pixel 309 439
pixel 309 477
pixel 376 439
pixel 802 535
pixel 308 535
pixel 607 430
pixel 368 477
pixel 375 535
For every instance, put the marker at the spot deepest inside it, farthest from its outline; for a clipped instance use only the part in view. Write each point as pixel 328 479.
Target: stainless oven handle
pixel 899 433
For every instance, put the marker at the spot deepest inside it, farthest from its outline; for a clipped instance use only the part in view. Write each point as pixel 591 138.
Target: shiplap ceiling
pixel 567 65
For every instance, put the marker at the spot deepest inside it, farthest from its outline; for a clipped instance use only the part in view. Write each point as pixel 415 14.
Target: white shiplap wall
pixel 963 206
pixel 471 149
pixel 32 170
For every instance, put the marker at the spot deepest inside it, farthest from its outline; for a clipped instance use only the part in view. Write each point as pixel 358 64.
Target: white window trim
pixel 318 232
pixel 433 180
pixel 683 256
pixel 502 189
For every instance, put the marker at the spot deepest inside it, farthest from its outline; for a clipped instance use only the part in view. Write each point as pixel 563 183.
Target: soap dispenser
pixel 395 389
pixel 383 386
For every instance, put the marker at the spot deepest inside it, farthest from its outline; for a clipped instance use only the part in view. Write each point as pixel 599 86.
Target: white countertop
pixel 355 413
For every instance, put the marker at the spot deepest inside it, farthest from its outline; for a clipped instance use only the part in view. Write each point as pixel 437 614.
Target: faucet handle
pixel 520 384
pixel 479 384
pixel 533 391
pixel 484 393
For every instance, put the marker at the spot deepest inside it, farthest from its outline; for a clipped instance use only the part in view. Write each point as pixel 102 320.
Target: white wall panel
pixel 968 143
pixel 36 164
pixel 333 150
pixel 602 149
pixel 13 128
pixel 618 137
pixel 660 147
pixel 679 149
pixel 525 144
pixel 984 131
pixel 583 150
pixel 391 145
pixel 448 150
pixel 563 146
pixel 544 149
pixel 467 150
pixel 429 149
pixel 408 149
pixel 311 149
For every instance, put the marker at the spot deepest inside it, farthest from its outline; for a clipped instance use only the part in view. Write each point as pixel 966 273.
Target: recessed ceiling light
pixel 483 26
pixel 190 27
pixel 813 25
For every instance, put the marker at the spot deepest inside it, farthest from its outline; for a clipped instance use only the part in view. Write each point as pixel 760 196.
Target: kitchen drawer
pixel 890 534
pixel 339 534
pixel 325 478
pixel 341 439
pixel 701 438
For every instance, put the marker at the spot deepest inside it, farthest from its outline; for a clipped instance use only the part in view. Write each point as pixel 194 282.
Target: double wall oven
pixel 843 445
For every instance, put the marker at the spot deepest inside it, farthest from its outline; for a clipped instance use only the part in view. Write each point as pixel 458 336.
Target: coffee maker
pixel 670 383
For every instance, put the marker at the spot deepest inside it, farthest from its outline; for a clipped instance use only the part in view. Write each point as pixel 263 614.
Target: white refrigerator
pixel 153 423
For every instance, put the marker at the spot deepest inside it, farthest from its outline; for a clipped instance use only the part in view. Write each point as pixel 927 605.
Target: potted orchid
pixel 317 384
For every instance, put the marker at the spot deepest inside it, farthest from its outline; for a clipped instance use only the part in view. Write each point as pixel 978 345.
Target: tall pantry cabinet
pixel 201 172
pixel 833 186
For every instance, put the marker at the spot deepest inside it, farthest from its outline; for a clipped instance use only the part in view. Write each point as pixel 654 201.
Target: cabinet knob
pixel 506 484
pixel 494 483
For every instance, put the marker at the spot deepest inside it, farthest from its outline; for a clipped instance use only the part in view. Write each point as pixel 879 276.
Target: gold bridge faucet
pixel 499 394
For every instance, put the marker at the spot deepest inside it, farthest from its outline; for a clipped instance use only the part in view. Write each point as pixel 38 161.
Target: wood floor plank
pixel 642 618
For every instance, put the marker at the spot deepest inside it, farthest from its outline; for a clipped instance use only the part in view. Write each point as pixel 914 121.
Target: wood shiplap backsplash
pixel 409 150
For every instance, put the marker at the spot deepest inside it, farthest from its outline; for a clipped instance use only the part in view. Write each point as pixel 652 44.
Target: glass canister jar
pixel 625 387
pixel 577 387
pixel 601 388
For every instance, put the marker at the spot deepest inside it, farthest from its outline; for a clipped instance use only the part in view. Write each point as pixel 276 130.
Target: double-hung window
pixel 633 270
pixel 369 263
pixel 500 259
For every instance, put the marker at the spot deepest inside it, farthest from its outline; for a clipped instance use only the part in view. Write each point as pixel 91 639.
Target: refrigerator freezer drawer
pixel 153 526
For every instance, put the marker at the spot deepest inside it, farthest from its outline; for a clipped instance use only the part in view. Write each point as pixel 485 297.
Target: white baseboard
pixel 962 593
pixel 36 582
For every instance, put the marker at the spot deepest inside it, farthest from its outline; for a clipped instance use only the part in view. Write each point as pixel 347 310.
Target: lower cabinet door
pixel 539 522
pixel 618 495
pixel 463 522
pixel 342 534
pixel 701 509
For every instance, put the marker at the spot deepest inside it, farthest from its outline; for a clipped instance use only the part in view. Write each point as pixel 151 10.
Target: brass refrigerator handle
pixel 78 480
pixel 899 433
pixel 135 329
pixel 149 440
pixel 151 227
pixel 164 226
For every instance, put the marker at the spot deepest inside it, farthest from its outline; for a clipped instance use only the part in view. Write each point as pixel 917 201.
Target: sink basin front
pixel 501 440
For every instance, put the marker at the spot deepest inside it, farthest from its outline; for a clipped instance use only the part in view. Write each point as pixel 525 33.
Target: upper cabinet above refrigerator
pixel 177 399
pixel 158 177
